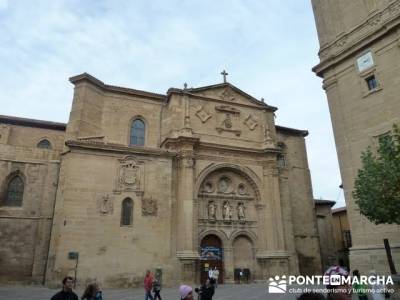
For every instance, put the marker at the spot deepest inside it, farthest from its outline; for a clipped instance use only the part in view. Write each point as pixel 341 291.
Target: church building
pixel 177 183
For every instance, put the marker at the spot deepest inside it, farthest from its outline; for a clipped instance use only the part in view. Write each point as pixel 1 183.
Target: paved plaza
pixel 223 292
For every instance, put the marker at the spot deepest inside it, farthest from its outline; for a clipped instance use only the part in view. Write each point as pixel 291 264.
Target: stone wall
pixel 25 230
pixel 298 201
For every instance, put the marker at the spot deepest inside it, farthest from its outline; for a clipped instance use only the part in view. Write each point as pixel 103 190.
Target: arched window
pixel 44 144
pixel 127 212
pixel 14 192
pixel 282 160
pixel 137 133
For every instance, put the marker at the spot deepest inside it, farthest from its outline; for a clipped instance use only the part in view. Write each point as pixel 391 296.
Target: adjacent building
pixel 323 212
pixel 342 235
pixel 360 66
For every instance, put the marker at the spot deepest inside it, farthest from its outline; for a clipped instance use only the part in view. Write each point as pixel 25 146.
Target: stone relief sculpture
pixel 228 118
pixel 242 190
pixel 202 114
pixel 129 175
pixel 241 212
pixel 105 205
pixel 227 95
pixel 149 207
pixel 211 210
pixel 224 184
pixel 208 187
pixel 251 122
pixel 227 121
pixel 227 215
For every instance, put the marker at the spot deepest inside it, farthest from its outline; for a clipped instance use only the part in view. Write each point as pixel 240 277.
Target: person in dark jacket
pixel 206 291
pixel 92 292
pixel 156 289
pixel 66 293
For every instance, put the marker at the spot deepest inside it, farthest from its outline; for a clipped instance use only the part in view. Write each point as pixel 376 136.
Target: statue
pixel 227 122
pixel 227 212
pixel 211 210
pixel 241 213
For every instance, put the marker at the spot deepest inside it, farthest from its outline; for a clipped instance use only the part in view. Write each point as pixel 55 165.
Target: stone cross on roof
pixel 224 73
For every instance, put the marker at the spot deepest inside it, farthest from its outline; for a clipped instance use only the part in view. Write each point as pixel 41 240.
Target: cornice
pixel 115 89
pixel 258 106
pixel 32 123
pixel 291 131
pixel 235 149
pixel 377 25
pixel 192 92
pixel 112 147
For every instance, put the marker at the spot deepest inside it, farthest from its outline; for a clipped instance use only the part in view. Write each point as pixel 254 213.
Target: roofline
pixel 32 123
pixel 292 131
pixel 339 209
pixel 202 88
pixel 113 88
pixel 324 202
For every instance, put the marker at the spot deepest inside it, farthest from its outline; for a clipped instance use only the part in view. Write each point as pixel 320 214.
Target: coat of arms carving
pixel 149 207
pixel 129 175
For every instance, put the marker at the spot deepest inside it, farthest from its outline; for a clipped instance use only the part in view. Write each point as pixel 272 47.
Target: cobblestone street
pixel 223 292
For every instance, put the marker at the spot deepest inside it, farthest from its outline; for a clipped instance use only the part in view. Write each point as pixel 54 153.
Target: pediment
pixel 228 93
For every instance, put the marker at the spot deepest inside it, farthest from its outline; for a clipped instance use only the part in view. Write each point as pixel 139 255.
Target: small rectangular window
pixel 371 82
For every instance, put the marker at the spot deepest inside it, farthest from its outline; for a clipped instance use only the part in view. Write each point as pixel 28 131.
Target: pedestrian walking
pixel 157 289
pixel 66 293
pixel 360 288
pixel 215 275
pixel 148 284
pixel 378 290
pixel 206 291
pixel 186 292
pixel 92 292
pixel 210 273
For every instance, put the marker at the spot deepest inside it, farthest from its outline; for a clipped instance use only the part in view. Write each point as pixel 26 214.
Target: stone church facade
pixel 359 63
pixel 175 183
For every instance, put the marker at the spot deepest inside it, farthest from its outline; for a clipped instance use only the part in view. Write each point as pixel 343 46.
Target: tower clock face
pixel 365 61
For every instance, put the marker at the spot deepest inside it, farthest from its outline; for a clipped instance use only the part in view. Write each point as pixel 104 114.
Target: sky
pixel 267 47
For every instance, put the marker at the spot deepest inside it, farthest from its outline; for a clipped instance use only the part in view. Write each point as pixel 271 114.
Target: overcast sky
pixel 268 48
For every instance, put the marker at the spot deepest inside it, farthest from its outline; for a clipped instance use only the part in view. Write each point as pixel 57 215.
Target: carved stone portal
pixel 149 207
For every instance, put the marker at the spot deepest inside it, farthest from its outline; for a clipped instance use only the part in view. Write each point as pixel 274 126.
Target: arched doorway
pixel 211 255
pixel 243 258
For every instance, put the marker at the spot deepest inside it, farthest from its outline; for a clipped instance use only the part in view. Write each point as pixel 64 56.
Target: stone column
pixel 228 265
pixel 272 252
pixel 186 245
pixel 274 220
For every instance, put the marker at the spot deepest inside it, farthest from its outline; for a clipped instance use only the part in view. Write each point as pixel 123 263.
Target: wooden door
pixel 211 256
